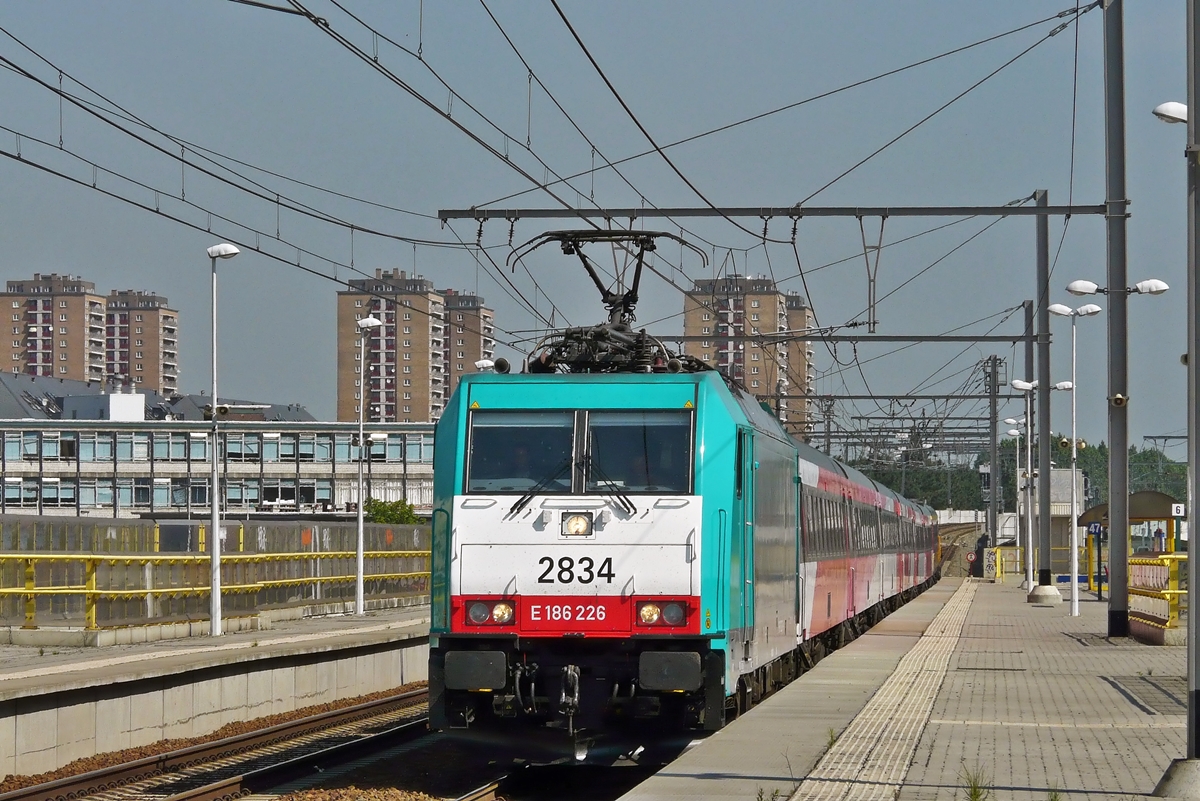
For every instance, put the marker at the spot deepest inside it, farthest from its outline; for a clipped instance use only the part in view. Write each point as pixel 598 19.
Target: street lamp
pixel 1028 388
pixel 1118 452
pixel 1025 430
pixel 1087 310
pixel 221 251
pixel 1183 774
pixel 364 327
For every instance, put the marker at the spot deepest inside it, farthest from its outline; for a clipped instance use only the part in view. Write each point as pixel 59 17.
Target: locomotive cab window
pixel 640 451
pixel 516 451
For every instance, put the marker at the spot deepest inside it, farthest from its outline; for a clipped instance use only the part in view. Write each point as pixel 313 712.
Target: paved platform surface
pixel 26 671
pixel 966 679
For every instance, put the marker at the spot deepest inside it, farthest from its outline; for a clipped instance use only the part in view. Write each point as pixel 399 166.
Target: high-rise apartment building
pixel 718 312
pixel 56 327
pixel 470 335
pixel 61 327
pixel 142 340
pixel 403 377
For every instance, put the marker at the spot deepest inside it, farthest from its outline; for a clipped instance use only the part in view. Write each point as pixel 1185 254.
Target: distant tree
pixel 394 512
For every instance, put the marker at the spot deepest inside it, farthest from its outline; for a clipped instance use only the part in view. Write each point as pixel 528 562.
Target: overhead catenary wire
pixel 237 240
pixel 807 100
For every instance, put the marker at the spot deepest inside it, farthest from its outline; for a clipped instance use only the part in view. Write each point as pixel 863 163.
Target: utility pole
pixel 1118 346
pixel 1045 592
pixel 994 495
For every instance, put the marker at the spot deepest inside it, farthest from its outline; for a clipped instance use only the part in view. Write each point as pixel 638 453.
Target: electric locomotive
pixel 626 544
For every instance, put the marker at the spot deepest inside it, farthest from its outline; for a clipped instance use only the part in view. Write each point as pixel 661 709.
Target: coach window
pixel 640 451
pixel 516 451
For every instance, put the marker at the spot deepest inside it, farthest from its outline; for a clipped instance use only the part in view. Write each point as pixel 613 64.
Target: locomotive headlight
pixel 672 614
pixel 502 612
pixel 577 525
pixel 478 613
pixel 649 614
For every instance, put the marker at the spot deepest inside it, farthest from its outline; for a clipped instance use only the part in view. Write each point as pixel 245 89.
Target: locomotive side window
pixel 516 451
pixel 640 451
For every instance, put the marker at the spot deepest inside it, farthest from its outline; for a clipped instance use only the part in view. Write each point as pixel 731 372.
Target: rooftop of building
pixel 456 299
pixel 136 299
pixel 52 284
pixel 25 397
pixel 735 285
pixel 392 282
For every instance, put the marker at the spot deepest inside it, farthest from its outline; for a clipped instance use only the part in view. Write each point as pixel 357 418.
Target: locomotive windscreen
pixel 514 451
pixel 640 451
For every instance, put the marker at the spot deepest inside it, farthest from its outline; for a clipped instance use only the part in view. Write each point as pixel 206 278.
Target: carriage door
pixel 745 519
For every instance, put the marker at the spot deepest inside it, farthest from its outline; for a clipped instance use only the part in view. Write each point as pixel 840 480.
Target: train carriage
pixel 638 552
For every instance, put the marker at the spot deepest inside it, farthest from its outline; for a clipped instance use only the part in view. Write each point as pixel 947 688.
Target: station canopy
pixel 1144 505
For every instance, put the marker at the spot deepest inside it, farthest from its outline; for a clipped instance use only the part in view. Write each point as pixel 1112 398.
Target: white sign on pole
pixel 1178 510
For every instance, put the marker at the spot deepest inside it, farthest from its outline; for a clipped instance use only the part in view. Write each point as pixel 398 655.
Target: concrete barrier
pixel 44 730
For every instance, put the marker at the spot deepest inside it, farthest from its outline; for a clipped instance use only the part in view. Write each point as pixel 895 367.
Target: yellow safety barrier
pixel 1154 592
pixel 92 593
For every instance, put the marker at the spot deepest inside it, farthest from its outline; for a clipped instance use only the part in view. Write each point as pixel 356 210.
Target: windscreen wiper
pixel 619 498
pixel 524 500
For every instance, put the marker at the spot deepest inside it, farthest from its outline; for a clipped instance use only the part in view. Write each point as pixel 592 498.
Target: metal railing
pixel 109 573
pixel 1155 591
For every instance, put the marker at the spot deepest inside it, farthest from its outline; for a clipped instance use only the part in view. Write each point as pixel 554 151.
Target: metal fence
pixel 105 573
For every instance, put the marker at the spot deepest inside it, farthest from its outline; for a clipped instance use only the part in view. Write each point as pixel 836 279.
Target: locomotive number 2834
pixel 568 570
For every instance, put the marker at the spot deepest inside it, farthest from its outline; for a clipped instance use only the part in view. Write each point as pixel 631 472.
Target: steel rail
pixel 109 778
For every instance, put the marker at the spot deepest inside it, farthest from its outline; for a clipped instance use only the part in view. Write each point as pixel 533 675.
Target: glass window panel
pixel 395 448
pixel 124 447
pixel 162 494
pixel 12 447
pixel 515 451
pixel 49 446
pixel 640 451
pixel 270 449
pixel 323 448
pixel 341 448
pixel 199 448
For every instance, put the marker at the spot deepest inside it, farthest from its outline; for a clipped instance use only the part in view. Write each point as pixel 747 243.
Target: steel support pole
pixel 1030 538
pixel 1118 356
pixel 214 495
pixel 1031 546
pixel 1045 577
pixel 1074 483
pixel 996 484
pixel 1183 776
pixel 360 603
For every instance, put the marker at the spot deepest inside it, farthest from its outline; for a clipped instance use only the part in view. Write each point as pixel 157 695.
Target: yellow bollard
pixel 89 602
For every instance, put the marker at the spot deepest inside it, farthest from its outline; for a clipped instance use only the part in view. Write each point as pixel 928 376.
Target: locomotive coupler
pixel 568 701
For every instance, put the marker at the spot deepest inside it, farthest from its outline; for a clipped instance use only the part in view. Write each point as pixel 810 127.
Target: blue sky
pixel 275 91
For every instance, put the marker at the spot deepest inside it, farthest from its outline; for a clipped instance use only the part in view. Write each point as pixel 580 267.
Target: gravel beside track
pixel 115 758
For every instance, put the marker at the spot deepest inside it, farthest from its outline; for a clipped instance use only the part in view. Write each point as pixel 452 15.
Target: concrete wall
pixel 44 732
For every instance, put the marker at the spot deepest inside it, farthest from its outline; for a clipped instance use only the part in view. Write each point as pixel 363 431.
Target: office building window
pixel 62 368
pixel 62 304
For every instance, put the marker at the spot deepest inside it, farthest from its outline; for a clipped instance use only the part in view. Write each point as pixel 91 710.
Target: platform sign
pixel 970 556
pixel 1178 510
pixel 1095 529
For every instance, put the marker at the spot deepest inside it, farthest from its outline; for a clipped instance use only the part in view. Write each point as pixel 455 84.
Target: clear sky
pixel 279 93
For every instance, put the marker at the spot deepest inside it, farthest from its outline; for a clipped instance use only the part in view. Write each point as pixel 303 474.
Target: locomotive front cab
pixel 569 559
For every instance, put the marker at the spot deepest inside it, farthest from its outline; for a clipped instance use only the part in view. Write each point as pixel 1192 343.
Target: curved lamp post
pixel 1118 463
pixel 1028 388
pixel 1025 429
pixel 221 251
pixel 364 327
pixel 1087 310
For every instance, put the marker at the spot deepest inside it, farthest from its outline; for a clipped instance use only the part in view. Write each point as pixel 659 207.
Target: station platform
pixel 967 682
pixel 62 703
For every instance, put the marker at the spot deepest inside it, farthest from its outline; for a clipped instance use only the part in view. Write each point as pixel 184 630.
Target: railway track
pixel 242 764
